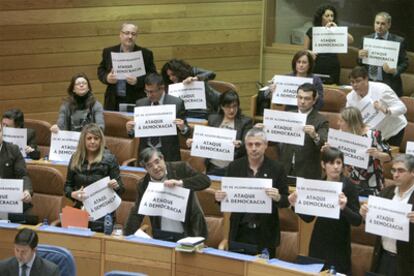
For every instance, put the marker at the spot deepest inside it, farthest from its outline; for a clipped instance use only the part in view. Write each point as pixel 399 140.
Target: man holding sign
pixel 385 73
pixel 13 166
pixel 176 174
pixel 132 88
pixel 169 145
pixel 391 256
pixel 260 231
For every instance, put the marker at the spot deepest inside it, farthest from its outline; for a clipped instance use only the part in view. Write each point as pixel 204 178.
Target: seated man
pixel 168 145
pixel 26 262
pixel 13 166
pixel 15 118
pixel 170 174
pixel 260 230
pixel 393 257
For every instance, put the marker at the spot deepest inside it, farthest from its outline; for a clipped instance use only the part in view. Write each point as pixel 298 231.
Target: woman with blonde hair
pixel 370 180
pixel 90 163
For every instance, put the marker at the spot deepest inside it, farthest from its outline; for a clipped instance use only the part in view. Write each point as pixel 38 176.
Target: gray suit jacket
pixel 10 267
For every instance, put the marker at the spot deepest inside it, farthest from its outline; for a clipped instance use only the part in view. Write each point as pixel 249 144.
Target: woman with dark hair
pixel 327 63
pixel 331 238
pixel 230 117
pixel 90 163
pixel 370 181
pixel 80 107
pixel 177 70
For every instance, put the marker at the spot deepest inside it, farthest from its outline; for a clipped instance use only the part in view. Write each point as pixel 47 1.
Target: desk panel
pixel 259 269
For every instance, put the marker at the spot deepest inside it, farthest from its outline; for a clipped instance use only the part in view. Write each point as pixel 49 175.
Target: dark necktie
pixel 154 141
pixel 373 70
pixel 24 269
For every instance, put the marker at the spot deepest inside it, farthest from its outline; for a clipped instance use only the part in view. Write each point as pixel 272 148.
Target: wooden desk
pixel 98 254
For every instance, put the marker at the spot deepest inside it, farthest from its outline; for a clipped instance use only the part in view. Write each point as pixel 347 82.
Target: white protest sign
pixel 100 199
pixel 128 64
pixel 155 120
pixel 388 218
pixel 330 39
pixel 11 194
pixel 159 200
pixel 318 198
pixel 213 142
pixel 353 146
pixel 286 89
pixel 409 149
pixel 17 136
pixel 284 127
pixel 63 144
pixel 381 51
pixel 371 116
pixel 246 195
pixel 193 94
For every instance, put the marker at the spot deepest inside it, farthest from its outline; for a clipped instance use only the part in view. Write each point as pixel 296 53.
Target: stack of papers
pixel 190 244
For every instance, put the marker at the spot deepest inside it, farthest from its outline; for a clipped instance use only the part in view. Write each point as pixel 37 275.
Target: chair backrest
pixel 333 118
pixel 128 197
pixel 362 244
pixel 61 256
pixel 123 148
pixel 115 124
pixel 289 231
pixel 222 86
pixel 334 99
pixel 123 273
pixel 48 184
pixel 409 103
pixel 197 163
pixel 43 135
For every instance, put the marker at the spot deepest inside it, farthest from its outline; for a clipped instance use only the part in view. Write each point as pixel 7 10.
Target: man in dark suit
pixel 304 161
pixel 261 231
pixel 26 262
pixel 170 174
pixel 15 118
pixel 385 74
pixel 168 145
pixel 13 166
pixel 131 89
pixel 394 257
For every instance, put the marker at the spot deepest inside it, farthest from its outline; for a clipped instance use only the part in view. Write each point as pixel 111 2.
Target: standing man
pixel 385 74
pixel 25 261
pixel 168 145
pixel 392 257
pixel 304 161
pixel 384 99
pixel 170 174
pixel 13 166
pixel 131 89
pixel 261 231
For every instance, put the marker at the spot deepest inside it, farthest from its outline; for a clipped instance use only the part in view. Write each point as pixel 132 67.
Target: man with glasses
pixel 168 145
pixel 393 257
pixel 304 161
pixel 384 99
pixel 26 262
pixel 131 89
pixel 170 174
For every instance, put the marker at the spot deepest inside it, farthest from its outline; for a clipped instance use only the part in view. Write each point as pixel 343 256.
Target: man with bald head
pixel 130 90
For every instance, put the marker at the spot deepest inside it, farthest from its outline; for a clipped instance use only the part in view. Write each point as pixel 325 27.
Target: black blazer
pixel 31 141
pixel 10 267
pixel 133 92
pixel 395 81
pixel 269 223
pixel 170 145
pixel 242 124
pixel 307 157
pixel 13 166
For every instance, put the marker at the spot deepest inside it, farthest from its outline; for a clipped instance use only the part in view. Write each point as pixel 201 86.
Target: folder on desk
pixel 74 217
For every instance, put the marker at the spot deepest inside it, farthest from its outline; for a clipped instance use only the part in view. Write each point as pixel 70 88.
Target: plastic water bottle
pixel 332 270
pixel 265 254
pixel 108 224
pixel 45 221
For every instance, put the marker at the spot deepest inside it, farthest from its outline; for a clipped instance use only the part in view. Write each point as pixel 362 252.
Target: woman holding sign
pixel 331 238
pixel 90 163
pixel 229 117
pixel 80 107
pixel 327 63
pixel 370 181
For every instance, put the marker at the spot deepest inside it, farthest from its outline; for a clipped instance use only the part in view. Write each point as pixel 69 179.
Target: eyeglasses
pixel 150 165
pixel 151 91
pixel 129 33
pixel 81 83
pixel 399 170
